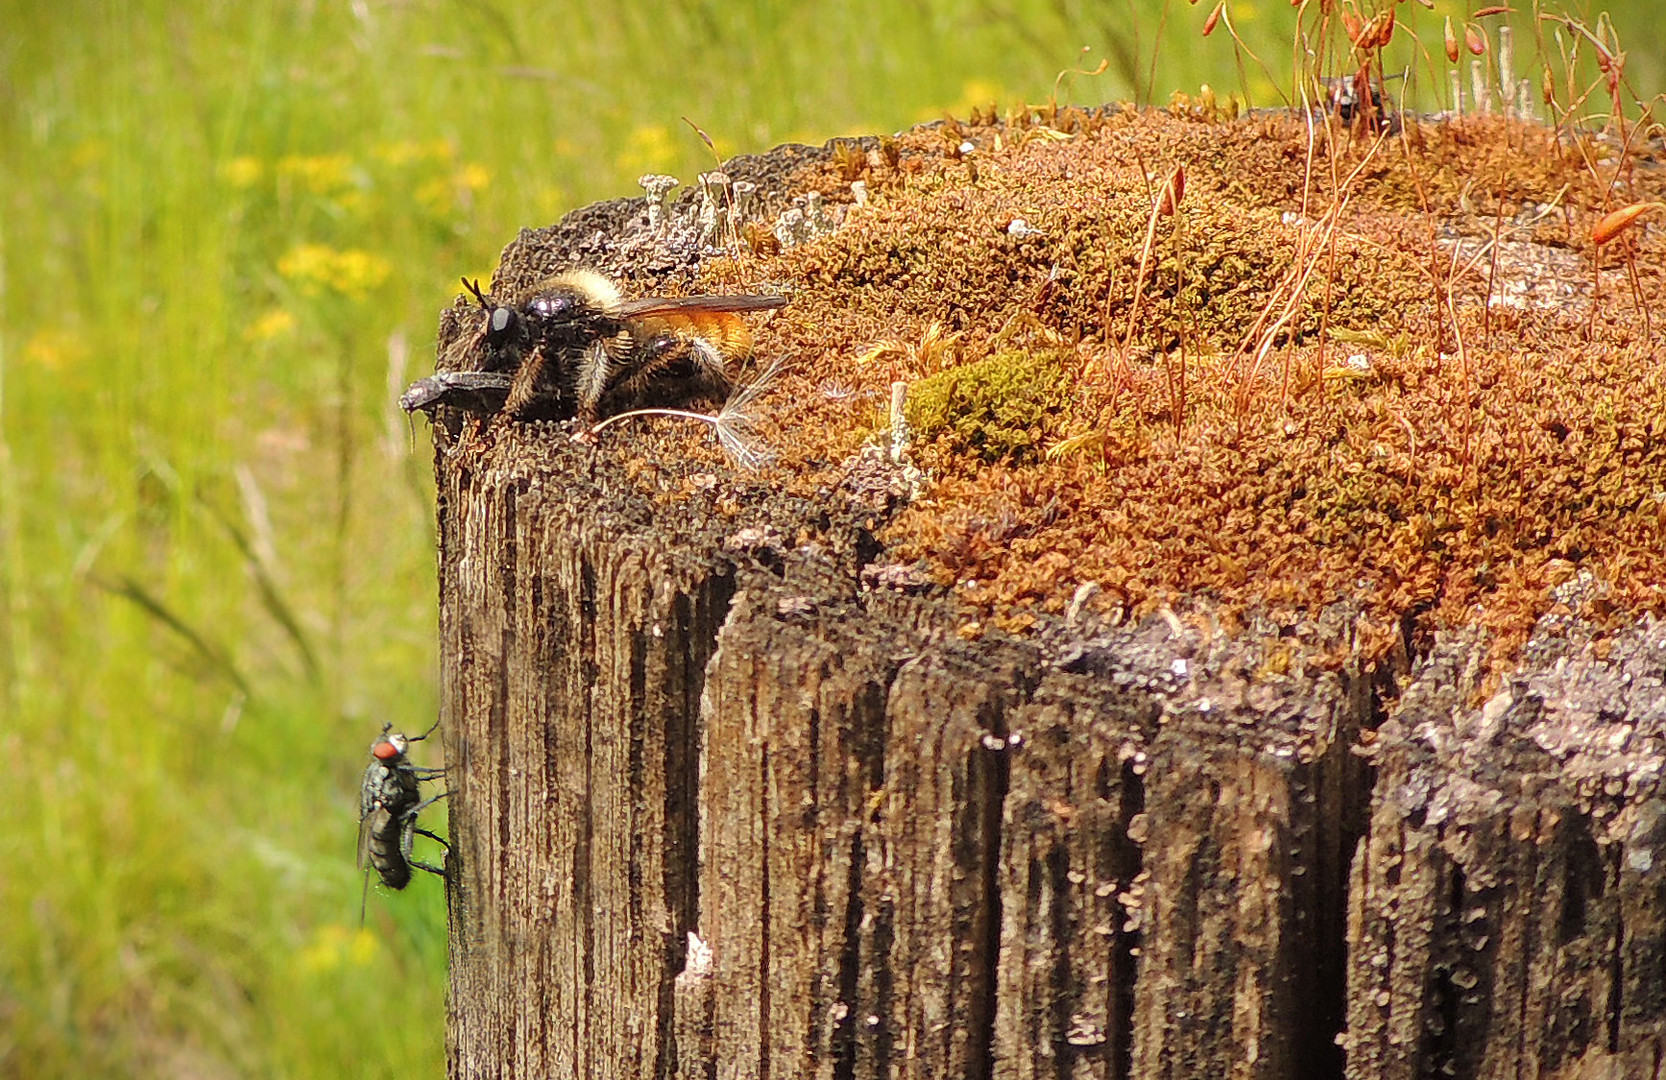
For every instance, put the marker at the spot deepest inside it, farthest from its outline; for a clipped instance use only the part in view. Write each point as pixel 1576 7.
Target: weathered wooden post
pixel 897 853
pixel 575 653
pixel 731 797
pixel 1508 912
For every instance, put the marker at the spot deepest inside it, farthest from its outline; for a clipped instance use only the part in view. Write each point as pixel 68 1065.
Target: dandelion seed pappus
pixel 390 799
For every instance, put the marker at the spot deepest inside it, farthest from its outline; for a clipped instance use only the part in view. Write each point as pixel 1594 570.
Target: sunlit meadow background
pixel 227 230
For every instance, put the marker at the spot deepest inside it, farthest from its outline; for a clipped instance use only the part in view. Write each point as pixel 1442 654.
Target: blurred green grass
pixel 227 232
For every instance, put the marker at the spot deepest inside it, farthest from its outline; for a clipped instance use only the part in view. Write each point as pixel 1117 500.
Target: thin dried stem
pixel 734 424
pixel 1294 286
pixel 1492 266
pixel 1166 202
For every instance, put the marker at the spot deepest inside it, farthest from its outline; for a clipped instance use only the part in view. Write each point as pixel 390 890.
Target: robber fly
pixel 471 391
pixel 576 347
pixel 389 802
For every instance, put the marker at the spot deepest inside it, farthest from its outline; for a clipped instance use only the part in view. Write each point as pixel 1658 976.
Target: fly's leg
pixel 411 814
pixel 408 834
pixel 425 734
pixel 527 384
pixel 595 373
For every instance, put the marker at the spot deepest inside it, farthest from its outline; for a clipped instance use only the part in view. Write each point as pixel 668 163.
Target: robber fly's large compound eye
pixel 502 324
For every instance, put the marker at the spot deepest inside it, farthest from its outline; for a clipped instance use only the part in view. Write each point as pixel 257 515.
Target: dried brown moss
pixel 1375 451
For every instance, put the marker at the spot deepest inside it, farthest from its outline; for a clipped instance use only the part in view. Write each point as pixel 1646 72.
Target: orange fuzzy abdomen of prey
pixel 724 331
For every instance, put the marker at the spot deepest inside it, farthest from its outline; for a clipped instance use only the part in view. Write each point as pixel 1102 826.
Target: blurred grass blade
pixel 130 590
pixel 270 598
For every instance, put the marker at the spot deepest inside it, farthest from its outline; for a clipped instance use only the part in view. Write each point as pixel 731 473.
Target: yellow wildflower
pixel 334 945
pixel 319 174
pixel 242 172
pixel 974 94
pixel 269 324
pixel 353 272
pixel 648 149
pixel 55 348
pixel 435 196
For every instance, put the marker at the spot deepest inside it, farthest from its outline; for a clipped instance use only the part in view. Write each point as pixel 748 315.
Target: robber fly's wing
pixel 367 829
pixel 370 808
pixel 370 789
pixel 650 306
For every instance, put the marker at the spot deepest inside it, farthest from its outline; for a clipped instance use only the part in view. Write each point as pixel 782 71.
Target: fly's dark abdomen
pixel 385 848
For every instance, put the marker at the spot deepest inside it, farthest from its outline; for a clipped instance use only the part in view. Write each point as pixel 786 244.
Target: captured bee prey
pixel 471 391
pixel 577 348
pixel 389 802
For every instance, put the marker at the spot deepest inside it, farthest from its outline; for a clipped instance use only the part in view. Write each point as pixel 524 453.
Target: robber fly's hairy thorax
pixel 575 347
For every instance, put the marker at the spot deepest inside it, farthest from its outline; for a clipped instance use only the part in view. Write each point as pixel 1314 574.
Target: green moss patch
pixel 999 409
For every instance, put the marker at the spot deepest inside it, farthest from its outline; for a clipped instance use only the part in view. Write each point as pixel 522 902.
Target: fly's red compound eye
pixel 385 749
